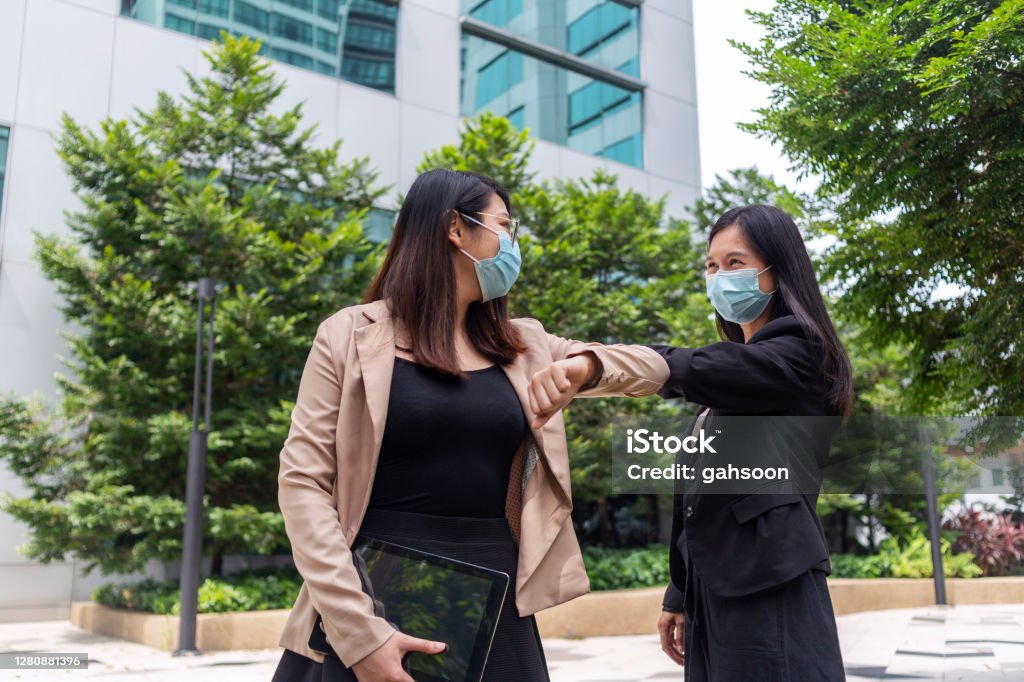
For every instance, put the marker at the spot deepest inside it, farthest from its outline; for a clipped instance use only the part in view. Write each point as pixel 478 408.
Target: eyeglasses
pixel 513 223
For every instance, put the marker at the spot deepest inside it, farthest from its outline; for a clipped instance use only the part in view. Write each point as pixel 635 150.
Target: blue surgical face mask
pixel 736 296
pixel 497 275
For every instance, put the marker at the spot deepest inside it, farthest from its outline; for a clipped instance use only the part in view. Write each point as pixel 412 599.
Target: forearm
pixel 619 370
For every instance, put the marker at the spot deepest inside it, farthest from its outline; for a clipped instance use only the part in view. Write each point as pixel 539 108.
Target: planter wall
pixel 615 612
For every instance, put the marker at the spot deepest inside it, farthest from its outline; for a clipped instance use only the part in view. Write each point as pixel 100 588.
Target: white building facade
pixel 601 83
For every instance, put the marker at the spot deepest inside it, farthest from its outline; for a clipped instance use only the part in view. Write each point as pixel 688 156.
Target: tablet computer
pixel 431 597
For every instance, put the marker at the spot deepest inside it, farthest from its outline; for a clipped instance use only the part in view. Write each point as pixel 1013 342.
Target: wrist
pixel 583 370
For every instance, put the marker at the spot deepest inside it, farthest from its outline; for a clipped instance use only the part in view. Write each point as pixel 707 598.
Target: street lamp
pixel 195 481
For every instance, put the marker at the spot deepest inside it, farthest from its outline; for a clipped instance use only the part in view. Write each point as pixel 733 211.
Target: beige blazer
pixel 330 456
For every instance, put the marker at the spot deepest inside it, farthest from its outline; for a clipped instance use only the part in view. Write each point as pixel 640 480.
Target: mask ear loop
pixel 465 253
pixel 773 290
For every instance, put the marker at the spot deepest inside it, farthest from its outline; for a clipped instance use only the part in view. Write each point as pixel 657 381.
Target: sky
pixel 725 96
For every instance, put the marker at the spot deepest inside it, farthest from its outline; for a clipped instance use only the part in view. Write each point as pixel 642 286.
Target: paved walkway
pixel 966 643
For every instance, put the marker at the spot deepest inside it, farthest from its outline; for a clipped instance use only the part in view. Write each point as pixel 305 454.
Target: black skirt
pixel 782 634
pixel 517 653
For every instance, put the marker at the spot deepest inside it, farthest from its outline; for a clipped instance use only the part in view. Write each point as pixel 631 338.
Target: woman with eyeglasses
pixel 748 601
pixel 413 425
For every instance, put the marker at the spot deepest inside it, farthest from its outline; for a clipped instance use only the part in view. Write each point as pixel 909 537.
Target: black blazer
pixel 741 544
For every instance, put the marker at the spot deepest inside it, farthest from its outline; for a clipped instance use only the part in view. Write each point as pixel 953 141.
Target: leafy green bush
pixel 614 569
pixel 909 558
pixel 248 591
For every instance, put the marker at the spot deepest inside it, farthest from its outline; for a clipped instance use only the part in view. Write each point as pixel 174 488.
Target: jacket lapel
pixel 517 376
pixel 375 348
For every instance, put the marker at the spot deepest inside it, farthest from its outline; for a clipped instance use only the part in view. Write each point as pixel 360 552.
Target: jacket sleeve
pixel 739 377
pixel 623 370
pixel 308 468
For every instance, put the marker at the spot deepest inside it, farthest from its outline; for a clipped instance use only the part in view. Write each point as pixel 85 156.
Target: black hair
pixel 772 233
pixel 417 276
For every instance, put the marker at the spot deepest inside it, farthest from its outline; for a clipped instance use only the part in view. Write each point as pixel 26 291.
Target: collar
pixel 787 325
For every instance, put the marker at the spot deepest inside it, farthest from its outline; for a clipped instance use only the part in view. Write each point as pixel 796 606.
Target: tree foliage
pixel 912 114
pixel 212 184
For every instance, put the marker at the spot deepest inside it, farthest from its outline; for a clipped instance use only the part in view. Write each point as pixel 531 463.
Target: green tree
pixel 600 263
pixel 212 184
pixel 743 187
pixel 912 114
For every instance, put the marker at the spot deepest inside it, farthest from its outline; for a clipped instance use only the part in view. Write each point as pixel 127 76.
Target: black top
pixel 776 372
pixel 448 443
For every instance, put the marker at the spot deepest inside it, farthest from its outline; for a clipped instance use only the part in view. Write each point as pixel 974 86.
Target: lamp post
pixel 195 481
pixel 931 496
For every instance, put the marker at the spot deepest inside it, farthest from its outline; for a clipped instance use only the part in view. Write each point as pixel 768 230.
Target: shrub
pixel 996 543
pixel 910 558
pixel 248 591
pixel 613 569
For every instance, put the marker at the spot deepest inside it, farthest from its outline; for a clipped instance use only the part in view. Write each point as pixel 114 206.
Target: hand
pixel 553 388
pixel 385 664
pixel 672 628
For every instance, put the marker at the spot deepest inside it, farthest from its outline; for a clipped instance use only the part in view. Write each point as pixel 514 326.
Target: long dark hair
pixel 418 276
pixel 776 238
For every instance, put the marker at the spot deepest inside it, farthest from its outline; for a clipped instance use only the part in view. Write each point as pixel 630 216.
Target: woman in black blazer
pixel 748 600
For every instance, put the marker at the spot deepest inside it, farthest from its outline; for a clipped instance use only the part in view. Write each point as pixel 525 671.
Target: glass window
pixel 517 117
pixel 350 39
pixel 218 8
pixel 292 29
pixel 555 103
pixel 605 32
pixel 252 16
pixel 5 139
pixel 497 12
pixel 306 5
pixel 367 37
pixel 326 41
pixel 373 9
pixel 327 68
pixel 378 225
pixel 290 57
pixel 208 31
pixel 180 24
pixel 375 74
pixel 498 76
pixel 328 9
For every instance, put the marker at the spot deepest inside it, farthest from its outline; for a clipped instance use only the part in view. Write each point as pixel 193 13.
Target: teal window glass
pixel 517 117
pixel 208 31
pixel 326 41
pixel 496 12
pixel 378 225
pixel 328 9
pixel 180 24
pixel 5 139
pixel 555 103
pixel 290 28
pixel 376 74
pixel 349 39
pixel 291 57
pixel 216 8
pixel 252 16
pixel 496 77
pixel 605 32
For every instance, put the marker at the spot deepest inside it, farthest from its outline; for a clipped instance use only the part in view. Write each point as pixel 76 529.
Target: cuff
pixel 673 600
pixel 357 644
pixel 598 368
